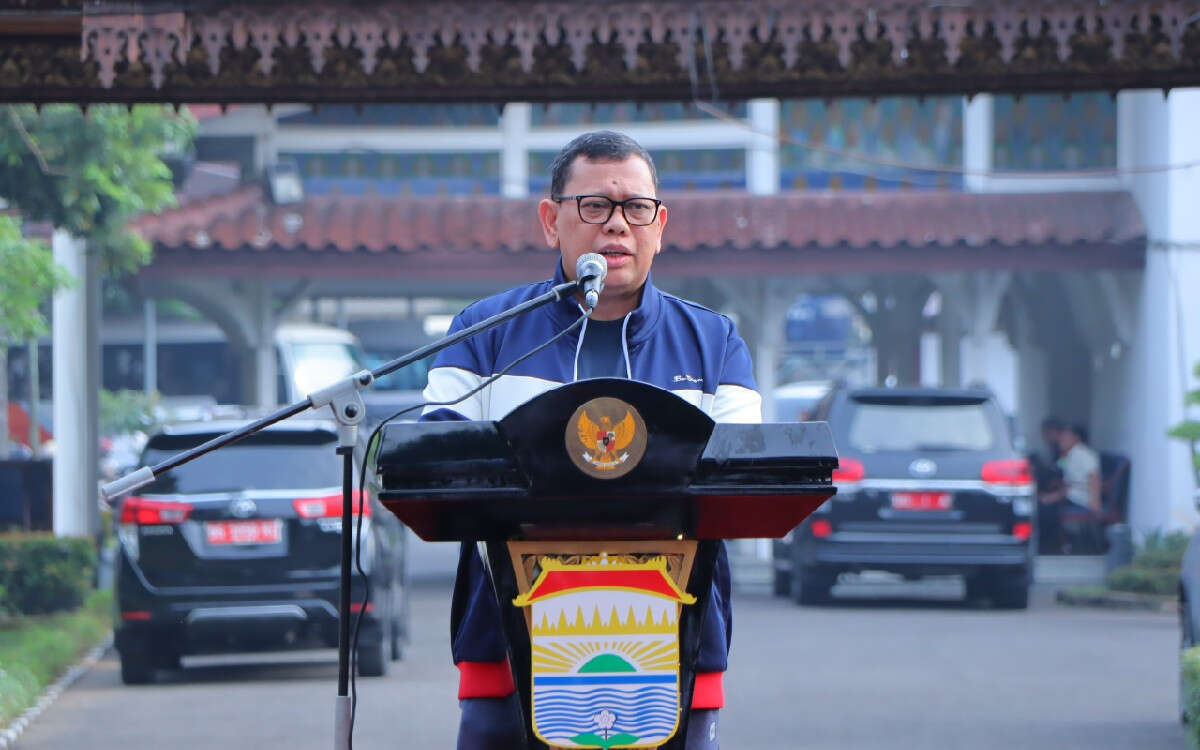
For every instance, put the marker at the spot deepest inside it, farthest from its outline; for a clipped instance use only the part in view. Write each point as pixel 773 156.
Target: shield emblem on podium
pixel 605 653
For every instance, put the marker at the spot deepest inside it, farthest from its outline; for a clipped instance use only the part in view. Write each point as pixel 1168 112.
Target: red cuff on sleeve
pixel 484 679
pixel 710 690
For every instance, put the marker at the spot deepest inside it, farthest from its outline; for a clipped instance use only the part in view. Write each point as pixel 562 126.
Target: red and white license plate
pixel 922 501
pixel 255 531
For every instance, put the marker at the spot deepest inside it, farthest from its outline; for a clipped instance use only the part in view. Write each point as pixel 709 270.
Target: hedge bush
pixel 40 573
pixel 1155 566
pixel 1189 695
pixel 35 650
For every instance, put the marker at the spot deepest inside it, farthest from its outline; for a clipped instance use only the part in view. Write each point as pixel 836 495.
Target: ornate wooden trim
pixel 498 50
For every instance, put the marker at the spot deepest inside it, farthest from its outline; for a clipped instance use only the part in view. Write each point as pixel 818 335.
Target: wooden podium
pixel 600 507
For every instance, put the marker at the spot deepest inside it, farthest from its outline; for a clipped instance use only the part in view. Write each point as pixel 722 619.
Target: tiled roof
pixel 245 220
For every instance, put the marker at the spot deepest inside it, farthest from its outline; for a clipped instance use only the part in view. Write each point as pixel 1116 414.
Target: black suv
pixel 928 484
pixel 239 550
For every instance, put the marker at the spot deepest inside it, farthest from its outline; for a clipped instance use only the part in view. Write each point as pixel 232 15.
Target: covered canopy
pixel 523 50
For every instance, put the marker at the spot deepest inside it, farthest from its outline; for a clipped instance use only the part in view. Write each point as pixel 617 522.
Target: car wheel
pixel 371 657
pixel 807 586
pixel 397 630
pixel 781 585
pixel 137 668
pixel 1186 641
pixel 1011 594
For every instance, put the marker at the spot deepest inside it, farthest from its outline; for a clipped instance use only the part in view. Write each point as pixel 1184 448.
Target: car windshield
pixel 410 378
pixel 896 426
pixel 260 462
pixel 323 363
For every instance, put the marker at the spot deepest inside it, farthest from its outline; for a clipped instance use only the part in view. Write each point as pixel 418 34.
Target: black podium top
pixel 609 458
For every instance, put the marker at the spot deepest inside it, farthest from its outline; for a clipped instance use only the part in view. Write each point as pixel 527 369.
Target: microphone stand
pixel 345 400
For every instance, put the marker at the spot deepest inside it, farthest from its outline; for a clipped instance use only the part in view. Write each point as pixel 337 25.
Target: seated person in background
pixel 1080 487
pixel 1045 461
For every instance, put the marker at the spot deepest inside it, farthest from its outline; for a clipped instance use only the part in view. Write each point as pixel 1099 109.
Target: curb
pixel 1116 600
pixel 10 734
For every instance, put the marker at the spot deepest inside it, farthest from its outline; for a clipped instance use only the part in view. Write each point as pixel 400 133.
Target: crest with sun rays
pixel 605 653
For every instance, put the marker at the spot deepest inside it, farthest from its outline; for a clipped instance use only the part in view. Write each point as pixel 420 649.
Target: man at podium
pixel 603 199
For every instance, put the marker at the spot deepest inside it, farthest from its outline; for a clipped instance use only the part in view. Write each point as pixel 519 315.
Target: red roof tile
pixel 245 220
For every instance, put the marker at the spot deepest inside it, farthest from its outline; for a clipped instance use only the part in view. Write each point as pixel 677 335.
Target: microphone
pixel 590 270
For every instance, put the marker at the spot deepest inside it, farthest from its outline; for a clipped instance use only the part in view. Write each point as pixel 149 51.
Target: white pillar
pixel 265 367
pixel 777 296
pixel 515 123
pixel 762 155
pixel 977 142
pixel 150 348
pixel 1155 372
pixel 74 485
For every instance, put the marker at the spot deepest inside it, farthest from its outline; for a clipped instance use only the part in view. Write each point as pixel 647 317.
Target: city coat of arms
pixel 605 653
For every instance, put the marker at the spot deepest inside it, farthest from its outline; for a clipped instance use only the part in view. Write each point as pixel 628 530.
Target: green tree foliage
pixel 89 173
pixel 1189 429
pixel 28 276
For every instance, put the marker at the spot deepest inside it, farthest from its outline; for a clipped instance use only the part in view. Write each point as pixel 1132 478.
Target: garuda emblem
pixel 606 438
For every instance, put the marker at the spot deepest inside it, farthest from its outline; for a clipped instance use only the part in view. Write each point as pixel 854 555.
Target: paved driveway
pixel 914 669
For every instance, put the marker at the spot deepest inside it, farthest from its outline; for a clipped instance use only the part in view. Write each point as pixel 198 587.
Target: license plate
pixel 256 531
pixel 921 501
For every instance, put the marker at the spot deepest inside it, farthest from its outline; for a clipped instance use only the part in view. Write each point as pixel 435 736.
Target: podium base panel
pixel 526 557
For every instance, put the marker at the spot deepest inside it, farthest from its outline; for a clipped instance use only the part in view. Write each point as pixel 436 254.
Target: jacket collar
pixel 642 320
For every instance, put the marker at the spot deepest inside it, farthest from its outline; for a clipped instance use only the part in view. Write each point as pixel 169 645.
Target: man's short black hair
pixel 598 145
pixel 1052 423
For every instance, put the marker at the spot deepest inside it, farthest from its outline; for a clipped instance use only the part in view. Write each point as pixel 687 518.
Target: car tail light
pixel 327 506
pixel 849 470
pixel 142 511
pixel 137 614
pixel 1022 530
pixel 1007 471
pixel 821 528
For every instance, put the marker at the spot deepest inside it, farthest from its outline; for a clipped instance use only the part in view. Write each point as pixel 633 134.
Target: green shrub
pixel 1189 698
pixel 1155 566
pixel 1140 580
pixel 40 573
pixel 35 650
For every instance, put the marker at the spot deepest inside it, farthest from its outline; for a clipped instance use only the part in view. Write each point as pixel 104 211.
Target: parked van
pixel 194 359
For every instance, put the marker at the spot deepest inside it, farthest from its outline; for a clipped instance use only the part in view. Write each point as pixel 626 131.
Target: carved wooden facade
pixel 504 50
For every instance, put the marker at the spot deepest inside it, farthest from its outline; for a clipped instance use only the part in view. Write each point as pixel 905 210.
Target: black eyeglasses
pixel 598 209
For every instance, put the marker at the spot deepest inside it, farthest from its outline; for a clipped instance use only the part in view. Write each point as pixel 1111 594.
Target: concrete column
pixel 515 122
pixel 35 397
pixel 950 343
pixel 773 306
pixel 90 469
pixel 150 348
pixel 265 367
pixel 977 142
pixel 1147 384
pixel 762 155
pixel 74 488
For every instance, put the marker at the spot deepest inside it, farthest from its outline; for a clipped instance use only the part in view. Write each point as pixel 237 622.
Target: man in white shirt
pixel 1080 486
pixel 1081 469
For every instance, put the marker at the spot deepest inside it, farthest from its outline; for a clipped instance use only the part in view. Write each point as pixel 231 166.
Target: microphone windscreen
pixel 591 264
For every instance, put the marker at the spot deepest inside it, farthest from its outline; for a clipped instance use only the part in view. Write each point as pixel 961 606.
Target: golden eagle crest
pixel 612 437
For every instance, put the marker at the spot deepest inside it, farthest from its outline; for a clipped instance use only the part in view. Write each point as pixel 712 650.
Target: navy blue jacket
pixel 668 342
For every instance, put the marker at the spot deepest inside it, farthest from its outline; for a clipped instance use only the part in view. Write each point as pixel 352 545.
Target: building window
pixel 678 169
pixel 903 143
pixel 1045 132
pixel 356 173
pixel 410 115
pixel 608 113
